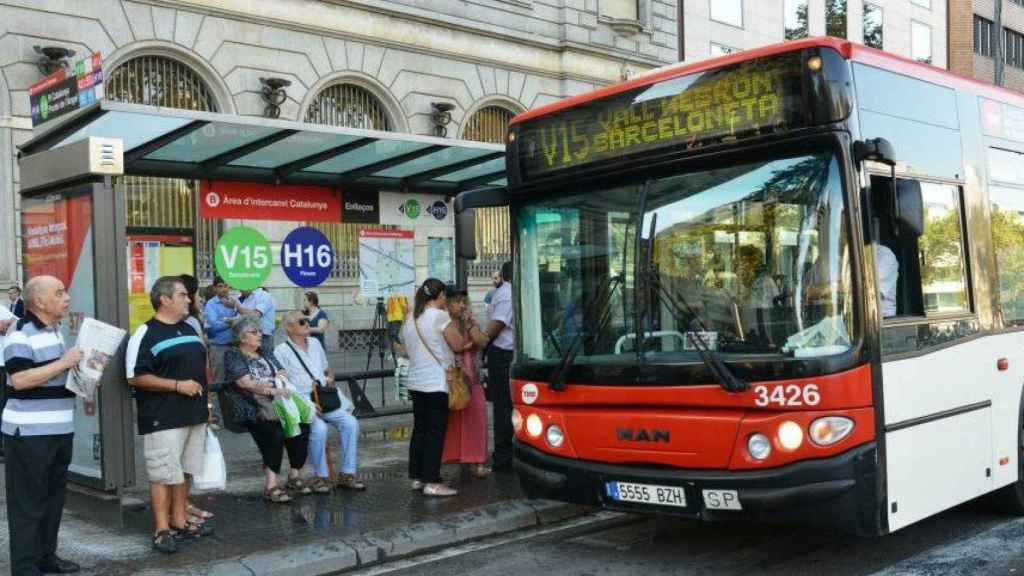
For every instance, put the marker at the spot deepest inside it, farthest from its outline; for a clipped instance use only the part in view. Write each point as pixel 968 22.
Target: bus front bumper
pixel 838 492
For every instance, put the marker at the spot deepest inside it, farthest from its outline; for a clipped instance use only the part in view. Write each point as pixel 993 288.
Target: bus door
pixel 937 421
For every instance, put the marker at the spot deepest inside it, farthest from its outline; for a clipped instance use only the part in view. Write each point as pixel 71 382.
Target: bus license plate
pixel 722 500
pixel 646 494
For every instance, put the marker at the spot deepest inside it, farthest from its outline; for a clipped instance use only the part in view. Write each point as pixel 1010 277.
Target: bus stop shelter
pixel 74 218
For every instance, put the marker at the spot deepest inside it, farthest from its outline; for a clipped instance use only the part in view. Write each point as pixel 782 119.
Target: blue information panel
pixel 307 257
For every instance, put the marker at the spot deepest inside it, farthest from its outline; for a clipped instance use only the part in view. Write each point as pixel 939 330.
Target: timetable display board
pixel 734 102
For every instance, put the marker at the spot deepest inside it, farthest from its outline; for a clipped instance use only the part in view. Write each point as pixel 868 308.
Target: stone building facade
pixel 972 40
pixel 486 58
pixel 912 28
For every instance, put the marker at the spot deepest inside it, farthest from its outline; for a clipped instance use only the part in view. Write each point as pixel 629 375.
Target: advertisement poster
pixel 386 264
pixel 150 258
pixel 57 241
pixel 254 201
pixel 441 259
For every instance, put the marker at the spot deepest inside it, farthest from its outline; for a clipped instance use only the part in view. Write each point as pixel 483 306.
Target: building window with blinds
pixel 490 124
pixel 165 206
pixel 347 106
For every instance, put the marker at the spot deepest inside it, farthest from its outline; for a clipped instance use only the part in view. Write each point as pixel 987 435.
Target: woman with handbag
pixel 429 337
pixel 466 440
pixel 306 363
pixel 256 377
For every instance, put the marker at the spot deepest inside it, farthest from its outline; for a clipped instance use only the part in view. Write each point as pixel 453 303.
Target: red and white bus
pixel 785 284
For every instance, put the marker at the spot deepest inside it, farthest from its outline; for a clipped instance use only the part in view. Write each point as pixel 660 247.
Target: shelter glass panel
pixel 293 148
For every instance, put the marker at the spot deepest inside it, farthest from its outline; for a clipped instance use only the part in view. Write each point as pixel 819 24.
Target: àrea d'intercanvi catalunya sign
pixel 255 201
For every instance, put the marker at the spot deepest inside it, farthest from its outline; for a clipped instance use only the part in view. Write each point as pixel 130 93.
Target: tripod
pixel 378 340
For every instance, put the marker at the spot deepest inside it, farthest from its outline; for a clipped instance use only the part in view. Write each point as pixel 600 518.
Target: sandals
pixel 321 485
pixel 298 485
pixel 277 495
pixel 198 512
pixel 164 542
pixel 191 531
pixel 349 482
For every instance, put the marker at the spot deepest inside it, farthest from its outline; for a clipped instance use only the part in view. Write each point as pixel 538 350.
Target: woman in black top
pixel 256 372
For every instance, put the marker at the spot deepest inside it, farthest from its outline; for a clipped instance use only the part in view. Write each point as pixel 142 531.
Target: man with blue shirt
pixel 259 304
pixel 38 428
pixel 220 314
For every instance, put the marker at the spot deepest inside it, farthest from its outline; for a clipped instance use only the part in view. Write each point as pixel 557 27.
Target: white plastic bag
pixel 215 473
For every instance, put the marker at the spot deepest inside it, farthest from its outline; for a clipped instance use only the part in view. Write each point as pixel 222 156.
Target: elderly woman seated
pixel 256 373
pixel 305 362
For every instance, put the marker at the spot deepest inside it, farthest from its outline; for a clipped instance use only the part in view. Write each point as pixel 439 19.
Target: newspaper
pixel 99 343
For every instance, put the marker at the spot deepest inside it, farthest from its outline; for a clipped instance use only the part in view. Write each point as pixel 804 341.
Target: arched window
pixel 347 106
pixel 165 204
pixel 489 124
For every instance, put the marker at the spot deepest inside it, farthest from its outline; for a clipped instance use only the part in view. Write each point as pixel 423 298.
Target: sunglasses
pixel 302 322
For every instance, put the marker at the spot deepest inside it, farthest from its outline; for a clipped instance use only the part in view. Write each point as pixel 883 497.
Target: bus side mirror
pixel 910 206
pixel 875 149
pixel 465 233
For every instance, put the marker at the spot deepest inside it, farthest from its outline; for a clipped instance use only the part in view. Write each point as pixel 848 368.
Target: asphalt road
pixel 968 540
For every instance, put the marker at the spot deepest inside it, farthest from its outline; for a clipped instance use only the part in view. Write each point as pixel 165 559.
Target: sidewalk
pixel 314 534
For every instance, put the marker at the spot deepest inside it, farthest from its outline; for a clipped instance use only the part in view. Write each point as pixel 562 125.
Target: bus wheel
pixel 1010 499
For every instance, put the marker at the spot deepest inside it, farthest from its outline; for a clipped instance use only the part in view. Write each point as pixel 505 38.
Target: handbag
pixel 455 378
pixel 327 398
pixel 237 408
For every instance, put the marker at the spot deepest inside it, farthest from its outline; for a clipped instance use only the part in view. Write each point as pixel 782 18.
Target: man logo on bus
pixel 642 435
pixel 213 199
pixel 530 393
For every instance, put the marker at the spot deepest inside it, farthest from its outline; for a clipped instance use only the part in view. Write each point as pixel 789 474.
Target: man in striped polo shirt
pixel 38 425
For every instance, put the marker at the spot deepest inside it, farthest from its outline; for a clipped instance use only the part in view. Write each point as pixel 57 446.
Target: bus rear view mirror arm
pixel 875 149
pixel 482 198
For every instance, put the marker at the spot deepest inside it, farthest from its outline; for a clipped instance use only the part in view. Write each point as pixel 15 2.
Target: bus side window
pixel 932 267
pixel 904 245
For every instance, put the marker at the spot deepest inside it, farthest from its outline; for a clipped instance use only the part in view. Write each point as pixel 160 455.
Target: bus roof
pixel 849 50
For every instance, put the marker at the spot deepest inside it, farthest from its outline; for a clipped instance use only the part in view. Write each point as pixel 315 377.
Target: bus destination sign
pixel 739 101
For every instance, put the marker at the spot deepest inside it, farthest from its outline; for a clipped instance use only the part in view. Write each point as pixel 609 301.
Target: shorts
pixel 170 454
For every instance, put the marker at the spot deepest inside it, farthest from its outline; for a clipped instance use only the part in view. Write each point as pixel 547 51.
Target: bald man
pixel 38 427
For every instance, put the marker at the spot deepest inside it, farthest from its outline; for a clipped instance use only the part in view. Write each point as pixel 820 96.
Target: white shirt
pixel 315 359
pixel 5 315
pixel 888 274
pixel 425 373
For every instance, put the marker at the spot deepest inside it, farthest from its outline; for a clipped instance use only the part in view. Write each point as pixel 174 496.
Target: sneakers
pixel 416 485
pixel 439 491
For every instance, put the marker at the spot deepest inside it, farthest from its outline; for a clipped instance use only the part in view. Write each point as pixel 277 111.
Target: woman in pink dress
pixel 466 439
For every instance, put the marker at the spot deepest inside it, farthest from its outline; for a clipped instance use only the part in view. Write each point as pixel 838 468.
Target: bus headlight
pixel 759 446
pixel 830 429
pixel 517 420
pixel 790 435
pixel 555 436
pixel 534 427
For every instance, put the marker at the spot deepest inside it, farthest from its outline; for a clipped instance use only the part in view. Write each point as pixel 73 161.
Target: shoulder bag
pixel 327 398
pixel 458 388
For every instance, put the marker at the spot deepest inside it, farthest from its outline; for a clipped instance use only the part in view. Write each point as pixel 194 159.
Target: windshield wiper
pixel 729 381
pixel 603 300
pixel 645 268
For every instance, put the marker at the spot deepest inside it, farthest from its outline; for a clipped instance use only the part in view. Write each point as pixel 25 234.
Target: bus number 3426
pixel 787 395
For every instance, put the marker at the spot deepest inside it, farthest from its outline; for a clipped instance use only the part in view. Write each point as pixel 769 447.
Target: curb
pixel 374 548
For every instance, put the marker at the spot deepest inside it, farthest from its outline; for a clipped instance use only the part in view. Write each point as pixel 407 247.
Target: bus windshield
pixel 751 259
